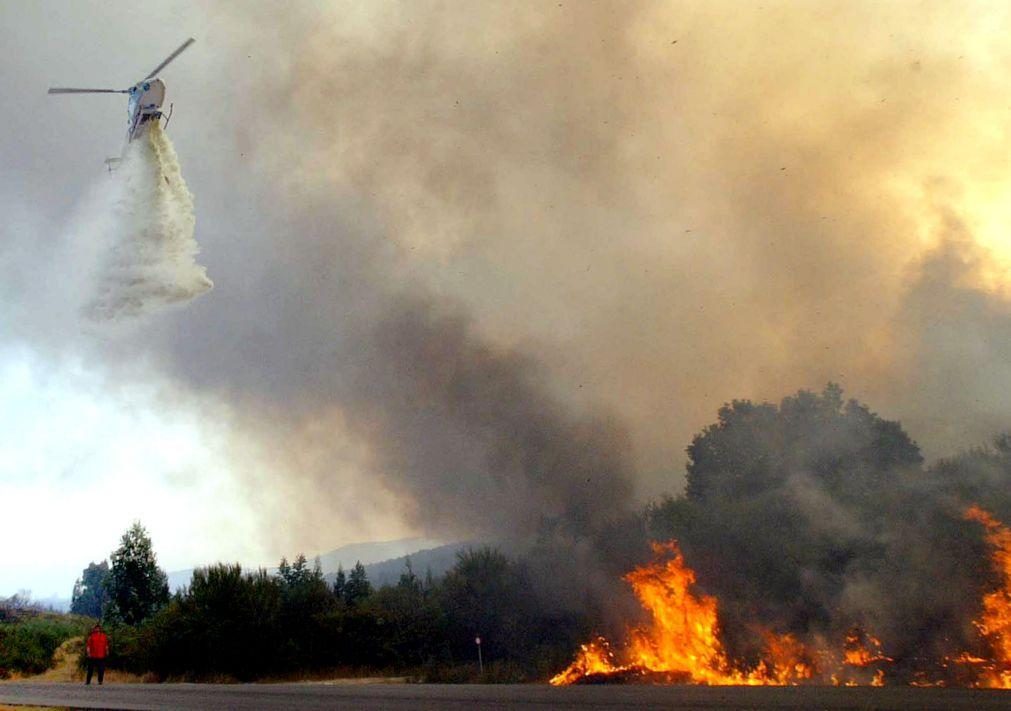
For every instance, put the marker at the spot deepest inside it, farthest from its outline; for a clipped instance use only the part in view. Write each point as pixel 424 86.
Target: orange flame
pixel 683 634
pixel 681 643
pixel 861 649
pixel 995 622
pixel 593 658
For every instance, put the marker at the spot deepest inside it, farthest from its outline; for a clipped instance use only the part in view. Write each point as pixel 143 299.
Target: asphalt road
pixel 368 697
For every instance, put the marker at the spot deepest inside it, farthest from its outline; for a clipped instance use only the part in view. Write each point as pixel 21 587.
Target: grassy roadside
pixel 66 668
pixel 29 641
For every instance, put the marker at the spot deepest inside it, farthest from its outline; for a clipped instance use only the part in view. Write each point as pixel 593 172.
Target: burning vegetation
pixel 680 644
pixel 813 547
pixel 994 623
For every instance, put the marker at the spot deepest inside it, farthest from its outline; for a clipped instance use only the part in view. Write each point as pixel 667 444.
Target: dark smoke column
pixel 474 437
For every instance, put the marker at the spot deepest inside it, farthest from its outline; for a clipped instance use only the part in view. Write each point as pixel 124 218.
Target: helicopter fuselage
pixel 146 99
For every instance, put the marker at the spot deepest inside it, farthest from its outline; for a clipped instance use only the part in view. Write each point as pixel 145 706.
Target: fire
pixel 994 624
pixel 681 643
pixel 683 634
pixel 861 649
pixel 788 661
pixel 861 652
pixel 593 658
pixel 681 640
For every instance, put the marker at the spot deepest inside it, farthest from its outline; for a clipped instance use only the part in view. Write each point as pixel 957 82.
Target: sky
pixel 480 263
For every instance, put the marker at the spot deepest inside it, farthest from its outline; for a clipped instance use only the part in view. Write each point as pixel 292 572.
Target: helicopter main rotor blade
pixel 172 56
pixel 64 90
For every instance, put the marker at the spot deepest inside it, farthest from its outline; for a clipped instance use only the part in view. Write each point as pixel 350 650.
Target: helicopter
pixel 146 98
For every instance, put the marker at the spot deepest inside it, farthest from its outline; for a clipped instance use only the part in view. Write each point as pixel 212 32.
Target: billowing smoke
pixel 449 238
pixel 468 433
pixel 652 209
pixel 141 222
pixel 473 442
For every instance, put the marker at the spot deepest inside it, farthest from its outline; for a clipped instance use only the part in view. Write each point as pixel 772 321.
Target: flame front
pixel 681 643
pixel 861 649
pixel 593 658
pixel 994 624
pixel 683 634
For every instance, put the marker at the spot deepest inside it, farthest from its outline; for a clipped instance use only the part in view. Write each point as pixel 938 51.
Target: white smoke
pixel 142 224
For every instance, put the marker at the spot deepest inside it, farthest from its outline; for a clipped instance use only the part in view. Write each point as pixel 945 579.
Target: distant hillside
pixel 53 602
pixel 346 556
pixel 435 560
pixel 369 553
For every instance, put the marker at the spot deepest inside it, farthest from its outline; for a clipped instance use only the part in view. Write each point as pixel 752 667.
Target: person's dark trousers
pixel 96 664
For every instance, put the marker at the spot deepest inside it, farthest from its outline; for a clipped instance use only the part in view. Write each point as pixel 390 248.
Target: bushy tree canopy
pixel 137 587
pixel 753 449
pixel 90 594
pixel 816 515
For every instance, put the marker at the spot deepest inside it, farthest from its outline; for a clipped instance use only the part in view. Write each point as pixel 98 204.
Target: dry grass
pixel 65 668
pixel 64 663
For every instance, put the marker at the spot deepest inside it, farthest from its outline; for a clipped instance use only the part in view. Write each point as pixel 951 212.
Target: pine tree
pixel 137 587
pixel 296 573
pixel 358 586
pixel 340 583
pixel 408 580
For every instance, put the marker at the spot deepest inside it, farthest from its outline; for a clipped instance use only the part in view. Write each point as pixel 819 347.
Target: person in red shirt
pixel 97 649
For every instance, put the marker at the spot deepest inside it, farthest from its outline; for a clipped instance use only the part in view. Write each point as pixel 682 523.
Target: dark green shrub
pixel 27 645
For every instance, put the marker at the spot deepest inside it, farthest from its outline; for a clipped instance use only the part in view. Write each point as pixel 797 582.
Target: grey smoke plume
pixel 663 205
pixel 469 432
pixel 142 218
pixel 660 207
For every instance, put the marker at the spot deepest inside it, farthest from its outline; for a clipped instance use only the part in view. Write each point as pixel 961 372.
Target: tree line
pixel 809 517
pixel 229 623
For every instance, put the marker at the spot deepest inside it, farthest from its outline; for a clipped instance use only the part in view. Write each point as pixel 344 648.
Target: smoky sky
pixel 479 265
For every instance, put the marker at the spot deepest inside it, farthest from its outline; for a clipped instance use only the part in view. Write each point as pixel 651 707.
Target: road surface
pixel 395 697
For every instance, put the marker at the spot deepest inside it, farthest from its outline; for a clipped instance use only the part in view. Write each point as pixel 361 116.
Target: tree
pixel 786 505
pixel 340 582
pixel 981 476
pixel 408 580
pixel 357 587
pixel 754 449
pixel 137 587
pixel 488 595
pixel 90 594
pixel 298 573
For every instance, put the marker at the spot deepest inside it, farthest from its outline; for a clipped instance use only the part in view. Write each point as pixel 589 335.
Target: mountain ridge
pixel 368 553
